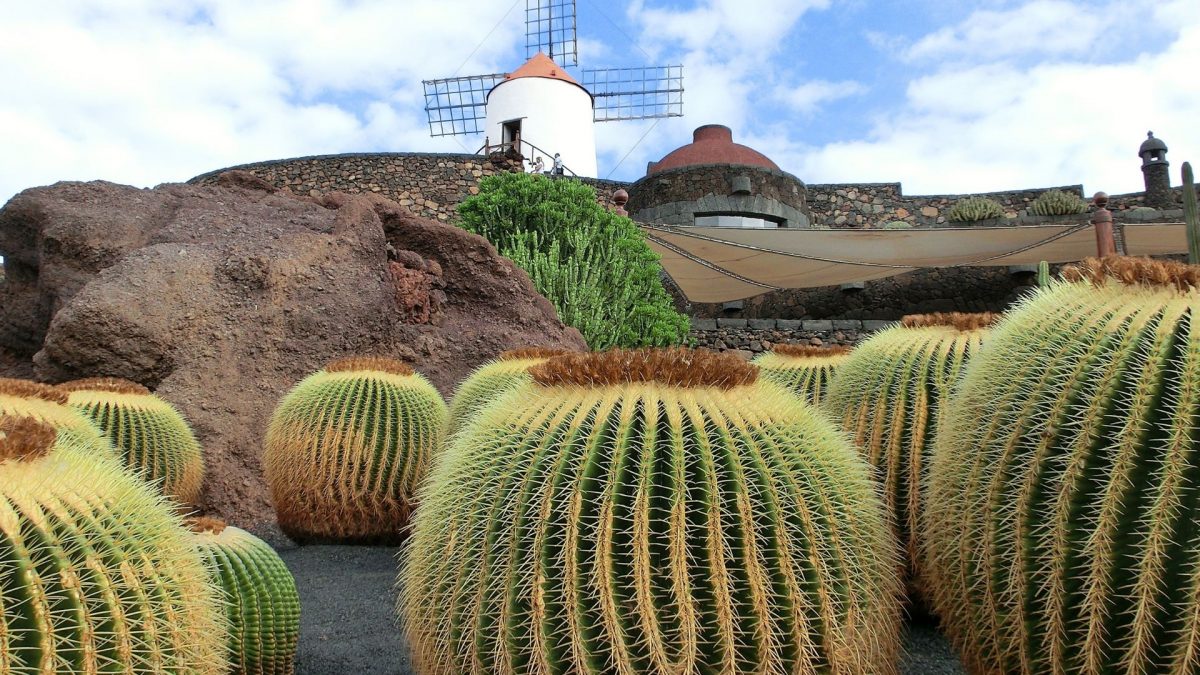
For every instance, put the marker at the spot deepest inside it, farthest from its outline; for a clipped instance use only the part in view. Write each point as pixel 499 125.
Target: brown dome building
pixel 713 181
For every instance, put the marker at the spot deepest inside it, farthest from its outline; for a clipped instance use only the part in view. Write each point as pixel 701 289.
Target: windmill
pixel 540 110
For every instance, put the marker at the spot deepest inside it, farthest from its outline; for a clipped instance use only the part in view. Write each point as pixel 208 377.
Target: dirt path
pixel 347 623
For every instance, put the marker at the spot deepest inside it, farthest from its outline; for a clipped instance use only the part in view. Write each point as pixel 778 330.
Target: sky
pixel 944 97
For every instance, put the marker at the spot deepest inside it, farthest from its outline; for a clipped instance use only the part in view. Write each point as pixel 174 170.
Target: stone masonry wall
pixel 676 196
pixel 430 184
pixel 749 337
pixel 867 205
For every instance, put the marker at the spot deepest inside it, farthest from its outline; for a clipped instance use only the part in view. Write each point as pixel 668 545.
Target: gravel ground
pixel 347 625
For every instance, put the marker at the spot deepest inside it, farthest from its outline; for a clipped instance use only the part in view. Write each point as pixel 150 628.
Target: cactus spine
pixel 154 439
pixel 888 395
pixel 492 380
pixel 96 574
pixel 1064 488
pixel 649 512
pixel 347 448
pixel 263 608
pixel 806 371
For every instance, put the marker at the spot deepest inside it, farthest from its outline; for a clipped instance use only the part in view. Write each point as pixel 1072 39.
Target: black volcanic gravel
pixel 347 620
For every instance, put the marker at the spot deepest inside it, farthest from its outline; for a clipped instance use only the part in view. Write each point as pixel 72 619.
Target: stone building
pixel 713 181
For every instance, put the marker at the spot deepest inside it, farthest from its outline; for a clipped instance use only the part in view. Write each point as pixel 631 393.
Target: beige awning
pixel 718 264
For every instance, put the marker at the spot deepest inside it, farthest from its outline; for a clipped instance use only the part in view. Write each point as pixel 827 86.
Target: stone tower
pixel 1154 171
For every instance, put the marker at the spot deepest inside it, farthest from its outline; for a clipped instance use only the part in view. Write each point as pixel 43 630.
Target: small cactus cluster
pixel 972 209
pixel 650 512
pixel 96 573
pixel 262 605
pixel 1057 203
pixel 153 438
pixel 888 395
pixel 491 380
pixel 347 447
pixel 803 369
pixel 1064 488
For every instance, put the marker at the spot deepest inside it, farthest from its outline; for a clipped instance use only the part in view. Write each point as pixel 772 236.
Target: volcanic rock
pixel 220 298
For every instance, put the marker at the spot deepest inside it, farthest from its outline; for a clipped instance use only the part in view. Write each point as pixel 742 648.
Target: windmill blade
pixel 635 93
pixel 458 105
pixel 550 29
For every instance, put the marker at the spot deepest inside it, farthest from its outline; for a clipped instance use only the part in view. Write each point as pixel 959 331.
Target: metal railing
pixel 517 146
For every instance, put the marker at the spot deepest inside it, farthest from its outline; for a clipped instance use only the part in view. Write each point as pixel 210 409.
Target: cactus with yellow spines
pixel 347 447
pixel 150 434
pixel 262 605
pixel 1064 488
pixel 888 394
pixel 491 380
pixel 48 404
pixel 805 370
pixel 650 511
pixel 96 573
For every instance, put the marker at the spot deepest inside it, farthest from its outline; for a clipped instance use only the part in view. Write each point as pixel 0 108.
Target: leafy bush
pixel 971 209
pixel 592 264
pixel 1057 203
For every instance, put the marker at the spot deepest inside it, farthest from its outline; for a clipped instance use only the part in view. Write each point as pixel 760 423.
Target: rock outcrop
pixel 221 297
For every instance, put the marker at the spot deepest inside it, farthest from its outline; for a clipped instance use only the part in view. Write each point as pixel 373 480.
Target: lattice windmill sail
pixel 539 110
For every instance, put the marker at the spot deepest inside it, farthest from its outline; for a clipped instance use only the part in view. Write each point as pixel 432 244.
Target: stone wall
pixel 429 184
pixel 754 336
pixel 865 205
pixel 675 196
pixel 950 289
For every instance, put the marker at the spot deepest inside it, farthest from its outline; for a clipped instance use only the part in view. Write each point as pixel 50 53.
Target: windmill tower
pixel 540 109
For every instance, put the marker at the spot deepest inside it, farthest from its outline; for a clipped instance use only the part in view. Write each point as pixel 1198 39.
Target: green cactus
pixel 48 404
pixel 96 573
pixel 1189 215
pixel 347 448
pixel 888 395
pixel 1057 203
pixel 263 607
pixel 804 370
pixel 1064 488
pixel 650 512
pixel 1043 274
pixel 149 433
pixel 491 380
pixel 971 209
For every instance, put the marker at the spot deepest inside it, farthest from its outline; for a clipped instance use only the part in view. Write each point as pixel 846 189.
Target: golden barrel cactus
pixel 96 573
pixel 491 380
pixel 650 512
pixel 48 404
pixel 888 395
pixel 1064 489
pixel 347 448
pixel 149 433
pixel 805 370
pixel 262 605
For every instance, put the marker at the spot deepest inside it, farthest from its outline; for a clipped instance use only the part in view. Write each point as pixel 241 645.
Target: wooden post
pixel 1103 222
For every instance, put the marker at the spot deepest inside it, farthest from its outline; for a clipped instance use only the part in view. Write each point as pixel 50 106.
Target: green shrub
pixel 897 225
pixel 593 265
pixel 971 209
pixel 1057 203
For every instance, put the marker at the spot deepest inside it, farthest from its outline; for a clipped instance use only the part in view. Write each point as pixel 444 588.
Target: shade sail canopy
pixel 719 264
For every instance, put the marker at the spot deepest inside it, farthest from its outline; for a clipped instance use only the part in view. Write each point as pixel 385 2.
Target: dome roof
pixel 711 144
pixel 1151 144
pixel 540 66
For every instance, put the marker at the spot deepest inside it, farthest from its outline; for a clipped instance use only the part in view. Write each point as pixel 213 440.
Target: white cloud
pixel 966 128
pixel 141 91
pixel 808 97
